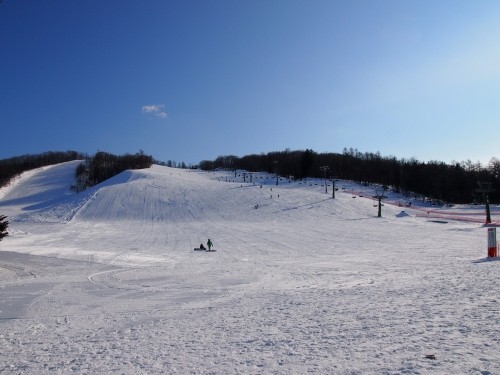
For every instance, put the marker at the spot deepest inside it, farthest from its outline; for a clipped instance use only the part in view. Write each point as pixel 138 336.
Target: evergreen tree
pixel 3 227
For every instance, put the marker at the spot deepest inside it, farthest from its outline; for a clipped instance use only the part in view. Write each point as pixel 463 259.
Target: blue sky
pixel 193 80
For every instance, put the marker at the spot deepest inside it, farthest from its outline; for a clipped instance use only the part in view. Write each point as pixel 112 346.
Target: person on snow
pixel 209 244
pixel 202 247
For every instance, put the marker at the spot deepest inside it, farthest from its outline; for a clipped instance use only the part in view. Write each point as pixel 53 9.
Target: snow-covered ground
pixel 107 281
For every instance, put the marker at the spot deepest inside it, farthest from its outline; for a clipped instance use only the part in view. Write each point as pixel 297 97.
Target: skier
pixel 202 247
pixel 209 244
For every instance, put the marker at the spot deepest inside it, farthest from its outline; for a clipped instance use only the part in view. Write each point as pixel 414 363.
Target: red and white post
pixel 492 242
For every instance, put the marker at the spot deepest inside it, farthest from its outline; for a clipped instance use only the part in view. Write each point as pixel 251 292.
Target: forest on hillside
pixel 16 165
pixel 93 169
pixel 104 165
pixel 460 182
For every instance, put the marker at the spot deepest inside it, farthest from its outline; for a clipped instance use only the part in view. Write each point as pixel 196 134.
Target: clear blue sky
pixel 192 80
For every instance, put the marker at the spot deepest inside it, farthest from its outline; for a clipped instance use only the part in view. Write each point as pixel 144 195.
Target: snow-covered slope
pixel 38 189
pixel 301 283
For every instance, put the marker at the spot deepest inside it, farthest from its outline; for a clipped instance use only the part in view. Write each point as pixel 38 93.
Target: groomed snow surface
pixel 107 282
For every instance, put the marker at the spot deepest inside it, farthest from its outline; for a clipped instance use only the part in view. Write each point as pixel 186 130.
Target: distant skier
pixel 209 244
pixel 202 247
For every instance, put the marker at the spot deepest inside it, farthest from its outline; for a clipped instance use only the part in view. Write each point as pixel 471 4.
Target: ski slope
pixel 106 281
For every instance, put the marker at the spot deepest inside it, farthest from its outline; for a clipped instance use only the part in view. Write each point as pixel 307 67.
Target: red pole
pixel 492 242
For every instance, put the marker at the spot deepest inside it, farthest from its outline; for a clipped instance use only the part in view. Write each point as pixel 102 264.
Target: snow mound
pixel 402 214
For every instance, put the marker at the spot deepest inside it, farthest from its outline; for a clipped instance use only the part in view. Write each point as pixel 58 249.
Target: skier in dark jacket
pixel 209 244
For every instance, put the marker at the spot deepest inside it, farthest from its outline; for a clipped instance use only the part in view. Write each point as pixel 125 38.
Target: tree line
pixel 93 169
pixel 104 165
pixel 14 166
pixel 457 182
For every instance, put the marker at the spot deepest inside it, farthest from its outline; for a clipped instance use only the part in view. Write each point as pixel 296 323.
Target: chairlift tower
pixel 485 188
pixel 276 170
pixel 324 168
pixel 379 196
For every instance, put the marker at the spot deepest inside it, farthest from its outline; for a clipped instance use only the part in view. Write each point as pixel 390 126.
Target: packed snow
pixel 107 280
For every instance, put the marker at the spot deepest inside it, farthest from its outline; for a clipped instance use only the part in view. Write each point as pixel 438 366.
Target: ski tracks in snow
pixel 302 284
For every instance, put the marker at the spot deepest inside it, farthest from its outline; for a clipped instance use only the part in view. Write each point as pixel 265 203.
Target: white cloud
pixel 157 110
